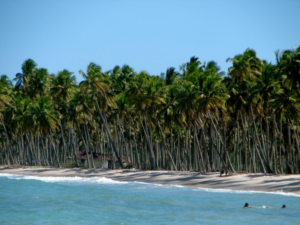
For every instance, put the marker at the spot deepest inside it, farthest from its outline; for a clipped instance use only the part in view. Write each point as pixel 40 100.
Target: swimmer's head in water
pixel 284 206
pixel 246 205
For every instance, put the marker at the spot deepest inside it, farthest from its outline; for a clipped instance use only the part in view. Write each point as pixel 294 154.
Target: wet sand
pixel 243 182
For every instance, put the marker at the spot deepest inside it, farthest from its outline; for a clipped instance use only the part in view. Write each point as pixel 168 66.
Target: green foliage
pixel 196 97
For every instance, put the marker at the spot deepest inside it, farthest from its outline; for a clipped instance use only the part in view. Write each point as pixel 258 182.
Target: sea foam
pixel 103 180
pixel 79 180
pixel 246 192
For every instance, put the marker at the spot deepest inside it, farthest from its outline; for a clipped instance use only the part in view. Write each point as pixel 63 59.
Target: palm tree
pixel 38 84
pixel 80 111
pixel 289 65
pixel 5 100
pixel 99 84
pixel 22 79
pixel 44 122
pixel 171 75
pixel 211 105
pixel 121 77
pixel 286 103
pixel 63 87
pixel 147 95
pixel 5 91
pixel 4 80
pixel 195 120
pixel 43 116
pixel 245 67
pixel 265 87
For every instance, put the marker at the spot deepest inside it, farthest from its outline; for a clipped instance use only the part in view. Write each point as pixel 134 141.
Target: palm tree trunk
pixel 244 132
pixel 207 164
pixel 188 143
pixel 289 146
pixel 143 124
pixel 297 146
pixel 201 163
pixel 269 153
pixel 228 158
pixel 54 148
pixel 163 141
pixel 127 151
pixel 73 146
pixel 107 131
pixel 31 150
pixel 8 141
pixel 260 154
pixel 64 142
pixel 280 144
pixel 86 150
pixel 88 138
pixel 274 149
pixel 264 150
pixel 259 150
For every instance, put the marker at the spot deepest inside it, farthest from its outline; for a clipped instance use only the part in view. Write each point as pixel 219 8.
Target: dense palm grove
pixel 193 119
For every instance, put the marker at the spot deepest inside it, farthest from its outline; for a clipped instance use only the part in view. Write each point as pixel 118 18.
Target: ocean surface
pixel 65 200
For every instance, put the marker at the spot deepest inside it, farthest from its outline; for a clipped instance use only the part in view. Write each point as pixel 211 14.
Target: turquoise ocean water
pixel 65 200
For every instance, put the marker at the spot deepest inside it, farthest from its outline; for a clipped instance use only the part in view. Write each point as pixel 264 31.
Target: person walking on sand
pixel 221 171
pixel 226 170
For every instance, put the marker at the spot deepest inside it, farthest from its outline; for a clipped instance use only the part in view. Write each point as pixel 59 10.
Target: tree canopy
pixel 196 118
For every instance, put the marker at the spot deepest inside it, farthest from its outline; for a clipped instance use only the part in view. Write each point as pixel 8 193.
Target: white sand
pixel 245 182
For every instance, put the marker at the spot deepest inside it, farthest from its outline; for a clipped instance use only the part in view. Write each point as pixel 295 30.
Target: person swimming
pixel 246 205
pixel 284 206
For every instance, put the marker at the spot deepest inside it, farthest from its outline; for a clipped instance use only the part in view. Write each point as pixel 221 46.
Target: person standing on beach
pixel 226 170
pixel 221 171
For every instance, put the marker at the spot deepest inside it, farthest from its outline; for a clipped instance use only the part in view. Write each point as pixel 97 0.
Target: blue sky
pixel 147 35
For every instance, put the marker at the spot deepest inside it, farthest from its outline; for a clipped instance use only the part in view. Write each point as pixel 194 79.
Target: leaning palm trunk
pixel 289 146
pixel 54 148
pixel 244 143
pixel 73 146
pixel 31 150
pixel 163 141
pixel 259 153
pixel 228 158
pixel 149 143
pixel 8 142
pixel 201 163
pixel 107 131
pixel 45 150
pixel 274 151
pixel 137 147
pixel 64 142
pixel 297 146
pixel 281 147
pixel 125 144
pixel 86 150
pixel 88 138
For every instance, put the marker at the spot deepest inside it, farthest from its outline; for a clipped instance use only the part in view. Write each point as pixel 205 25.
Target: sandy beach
pixel 243 182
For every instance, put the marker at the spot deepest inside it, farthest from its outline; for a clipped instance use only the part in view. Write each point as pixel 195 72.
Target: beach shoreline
pixel 236 182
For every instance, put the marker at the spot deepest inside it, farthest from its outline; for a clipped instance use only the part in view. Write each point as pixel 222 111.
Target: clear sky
pixel 150 35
